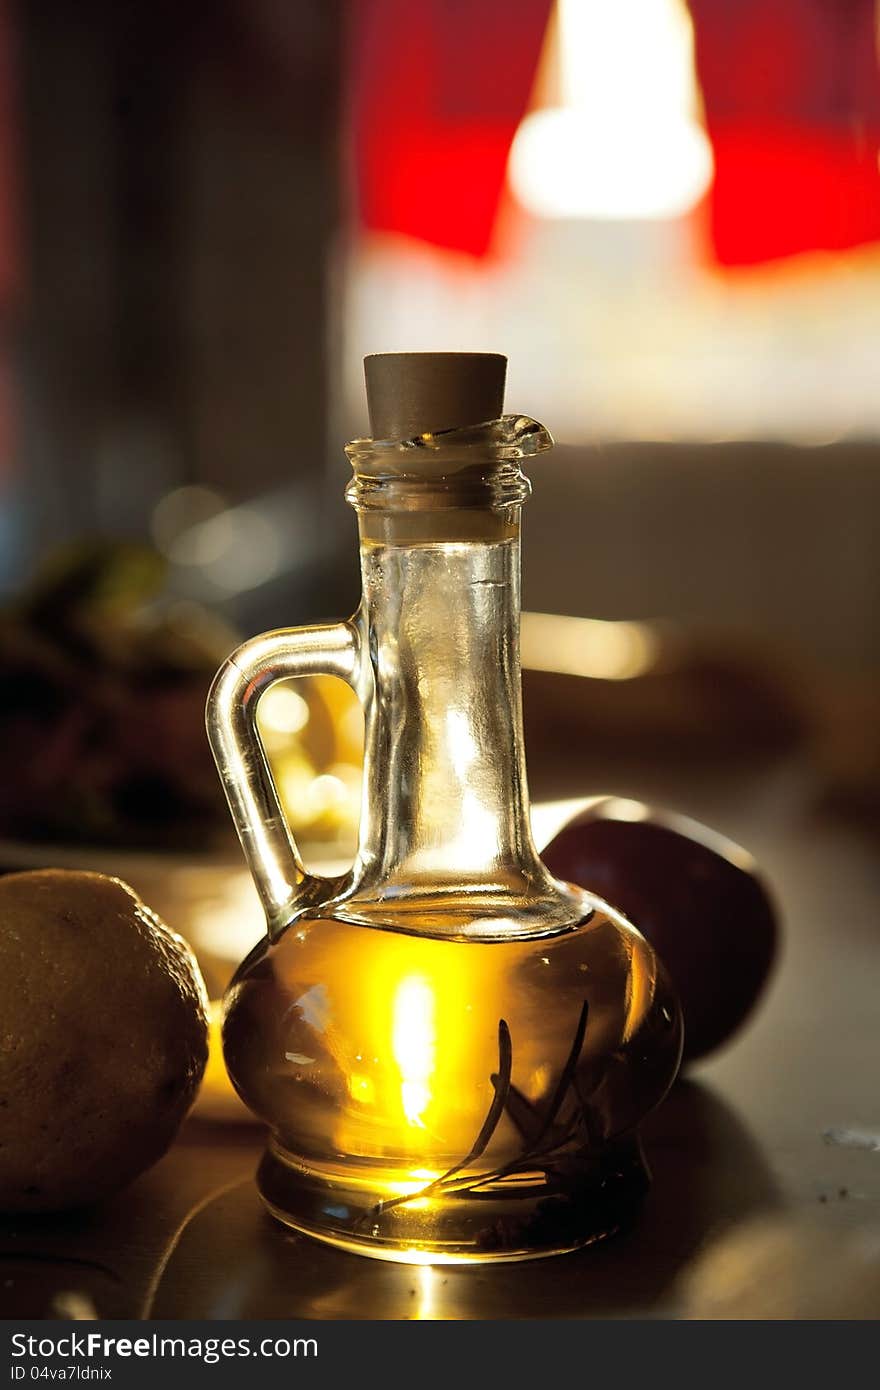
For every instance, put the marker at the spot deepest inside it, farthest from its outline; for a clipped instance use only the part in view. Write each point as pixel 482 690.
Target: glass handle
pixel 284 885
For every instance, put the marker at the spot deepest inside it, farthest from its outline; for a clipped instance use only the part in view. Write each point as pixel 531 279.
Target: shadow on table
pixel 102 1258
pixel 230 1260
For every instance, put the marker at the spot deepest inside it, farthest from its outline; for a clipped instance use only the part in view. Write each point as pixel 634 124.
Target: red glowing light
pixel 438 89
pixel 791 90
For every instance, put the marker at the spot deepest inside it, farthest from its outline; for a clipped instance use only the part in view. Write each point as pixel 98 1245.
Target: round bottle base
pixel 533 1216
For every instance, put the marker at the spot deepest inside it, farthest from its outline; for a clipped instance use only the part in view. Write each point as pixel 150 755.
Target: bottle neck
pixel 446 801
pixel 446 843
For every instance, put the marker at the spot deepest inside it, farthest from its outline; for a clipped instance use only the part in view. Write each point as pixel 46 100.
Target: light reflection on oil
pixel 404 1033
pixel 413 1043
pixel 441 1066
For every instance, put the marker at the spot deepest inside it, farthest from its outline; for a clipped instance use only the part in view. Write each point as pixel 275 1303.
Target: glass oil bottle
pixel 452 1049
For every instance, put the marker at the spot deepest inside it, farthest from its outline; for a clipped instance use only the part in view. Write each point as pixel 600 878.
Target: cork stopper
pixel 412 393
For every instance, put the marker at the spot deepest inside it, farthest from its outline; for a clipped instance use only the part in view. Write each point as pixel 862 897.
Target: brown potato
pixel 103 1038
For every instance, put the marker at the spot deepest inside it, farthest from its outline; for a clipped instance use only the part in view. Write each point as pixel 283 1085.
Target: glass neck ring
pixel 473 468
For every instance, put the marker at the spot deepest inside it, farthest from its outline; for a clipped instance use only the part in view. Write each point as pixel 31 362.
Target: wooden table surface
pixel 785 1120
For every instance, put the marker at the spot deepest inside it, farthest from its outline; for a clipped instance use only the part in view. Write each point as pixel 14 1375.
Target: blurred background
pixel 666 213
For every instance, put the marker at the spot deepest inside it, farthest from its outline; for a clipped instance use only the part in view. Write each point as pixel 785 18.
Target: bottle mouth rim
pixel 474 467
pixel 504 440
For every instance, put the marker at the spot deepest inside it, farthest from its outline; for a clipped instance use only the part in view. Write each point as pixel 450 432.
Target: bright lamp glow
pixel 626 141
